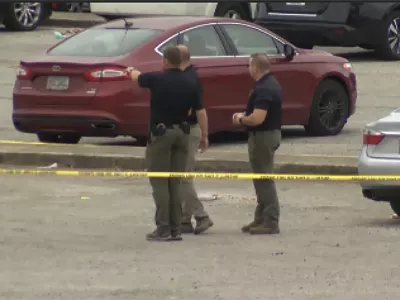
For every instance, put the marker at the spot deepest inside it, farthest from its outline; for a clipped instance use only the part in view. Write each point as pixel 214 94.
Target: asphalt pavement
pixel 378 95
pixel 84 238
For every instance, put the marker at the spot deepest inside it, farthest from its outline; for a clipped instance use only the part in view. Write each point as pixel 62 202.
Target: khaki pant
pixel 191 204
pixel 167 153
pixel 262 147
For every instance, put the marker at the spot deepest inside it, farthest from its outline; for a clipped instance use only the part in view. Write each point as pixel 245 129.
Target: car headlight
pixel 347 66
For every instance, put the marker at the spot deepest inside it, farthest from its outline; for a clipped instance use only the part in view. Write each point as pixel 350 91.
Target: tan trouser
pixel 262 147
pixel 191 205
pixel 167 153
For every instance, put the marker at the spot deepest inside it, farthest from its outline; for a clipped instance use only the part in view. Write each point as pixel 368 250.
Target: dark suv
pixel 24 16
pixel 370 25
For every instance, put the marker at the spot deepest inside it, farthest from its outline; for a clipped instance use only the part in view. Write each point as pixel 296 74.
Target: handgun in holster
pixel 185 127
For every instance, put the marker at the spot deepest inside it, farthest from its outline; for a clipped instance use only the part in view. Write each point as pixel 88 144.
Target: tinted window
pixel 171 42
pixel 203 41
pixel 248 40
pixel 104 42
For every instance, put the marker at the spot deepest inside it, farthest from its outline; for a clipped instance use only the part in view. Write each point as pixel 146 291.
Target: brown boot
pixel 246 228
pixel 202 224
pixel 266 228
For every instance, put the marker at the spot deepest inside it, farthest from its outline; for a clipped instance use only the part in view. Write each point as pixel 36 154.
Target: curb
pixel 70 23
pixel 137 163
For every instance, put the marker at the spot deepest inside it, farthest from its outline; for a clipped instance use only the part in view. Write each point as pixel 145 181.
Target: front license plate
pixel 58 83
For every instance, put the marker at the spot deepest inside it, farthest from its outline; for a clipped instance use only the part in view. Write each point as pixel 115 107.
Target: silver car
pixel 380 155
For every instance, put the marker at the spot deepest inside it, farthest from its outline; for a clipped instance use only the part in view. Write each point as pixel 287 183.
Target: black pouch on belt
pixel 185 127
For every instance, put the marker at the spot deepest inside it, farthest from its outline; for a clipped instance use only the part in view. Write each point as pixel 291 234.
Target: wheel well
pixel 343 84
pixel 394 8
pixel 243 5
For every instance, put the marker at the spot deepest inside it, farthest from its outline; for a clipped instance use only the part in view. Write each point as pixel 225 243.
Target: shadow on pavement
pixel 232 138
pixel 381 223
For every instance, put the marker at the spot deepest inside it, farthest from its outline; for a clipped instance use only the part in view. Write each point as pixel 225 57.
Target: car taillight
pixel 24 73
pixel 107 74
pixel 372 137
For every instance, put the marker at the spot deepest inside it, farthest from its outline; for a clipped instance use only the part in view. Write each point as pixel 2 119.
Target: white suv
pixel 237 10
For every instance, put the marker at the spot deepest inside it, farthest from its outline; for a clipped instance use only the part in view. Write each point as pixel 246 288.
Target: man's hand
pixel 236 117
pixel 129 70
pixel 133 73
pixel 203 143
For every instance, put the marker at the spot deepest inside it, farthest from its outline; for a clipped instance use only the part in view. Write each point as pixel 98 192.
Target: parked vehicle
pixel 79 88
pixel 370 25
pixel 235 10
pixel 71 6
pixel 24 16
pixel 380 155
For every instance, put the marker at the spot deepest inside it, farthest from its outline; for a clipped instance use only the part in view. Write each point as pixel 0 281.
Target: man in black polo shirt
pixel 191 205
pixel 262 120
pixel 173 96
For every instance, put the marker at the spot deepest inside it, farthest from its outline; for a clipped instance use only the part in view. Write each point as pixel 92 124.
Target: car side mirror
pixel 289 51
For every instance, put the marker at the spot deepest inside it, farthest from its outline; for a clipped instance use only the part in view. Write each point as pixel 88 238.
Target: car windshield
pixel 104 42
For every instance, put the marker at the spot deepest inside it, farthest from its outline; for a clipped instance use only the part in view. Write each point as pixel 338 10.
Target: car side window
pixel 248 40
pixel 171 42
pixel 203 41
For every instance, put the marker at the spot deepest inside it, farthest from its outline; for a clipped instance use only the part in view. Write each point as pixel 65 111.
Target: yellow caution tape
pixel 240 176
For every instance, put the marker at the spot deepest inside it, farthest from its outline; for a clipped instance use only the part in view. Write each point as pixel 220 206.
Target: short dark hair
pixel 173 55
pixel 261 61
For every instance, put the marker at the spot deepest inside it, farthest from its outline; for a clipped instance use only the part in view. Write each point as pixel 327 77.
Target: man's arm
pixel 145 80
pixel 202 119
pixel 257 117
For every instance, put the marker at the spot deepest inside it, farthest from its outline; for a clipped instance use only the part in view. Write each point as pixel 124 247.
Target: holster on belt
pixel 185 127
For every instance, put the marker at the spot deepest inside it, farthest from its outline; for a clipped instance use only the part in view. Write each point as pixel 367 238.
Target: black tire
pixel 384 49
pixel 58 138
pixel 75 6
pixel 11 21
pixel 331 96
pixel 395 205
pixel 228 10
pixel 141 141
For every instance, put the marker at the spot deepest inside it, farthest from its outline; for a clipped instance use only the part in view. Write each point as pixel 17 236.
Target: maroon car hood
pixel 319 56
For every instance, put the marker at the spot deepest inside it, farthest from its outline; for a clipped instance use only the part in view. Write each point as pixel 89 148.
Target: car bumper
pixel 379 190
pixel 84 123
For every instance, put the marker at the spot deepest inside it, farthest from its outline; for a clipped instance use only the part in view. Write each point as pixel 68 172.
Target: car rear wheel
pixel 395 205
pixel 23 16
pixel 232 11
pixel 389 47
pixel 140 141
pixel 329 109
pixel 58 138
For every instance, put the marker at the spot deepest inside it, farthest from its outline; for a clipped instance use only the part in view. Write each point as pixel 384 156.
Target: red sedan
pixel 78 87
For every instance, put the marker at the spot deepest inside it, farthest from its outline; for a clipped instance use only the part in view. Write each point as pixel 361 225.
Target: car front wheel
pixel 329 109
pixel 57 138
pixel 389 47
pixel 23 16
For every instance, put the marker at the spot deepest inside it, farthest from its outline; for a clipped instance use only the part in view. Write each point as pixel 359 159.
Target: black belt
pixel 253 132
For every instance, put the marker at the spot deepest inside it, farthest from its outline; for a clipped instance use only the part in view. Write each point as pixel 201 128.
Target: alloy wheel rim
pixel 232 14
pixel 331 110
pixel 394 36
pixel 27 13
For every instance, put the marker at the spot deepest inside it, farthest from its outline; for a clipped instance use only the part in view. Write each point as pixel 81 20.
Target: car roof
pixel 165 23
